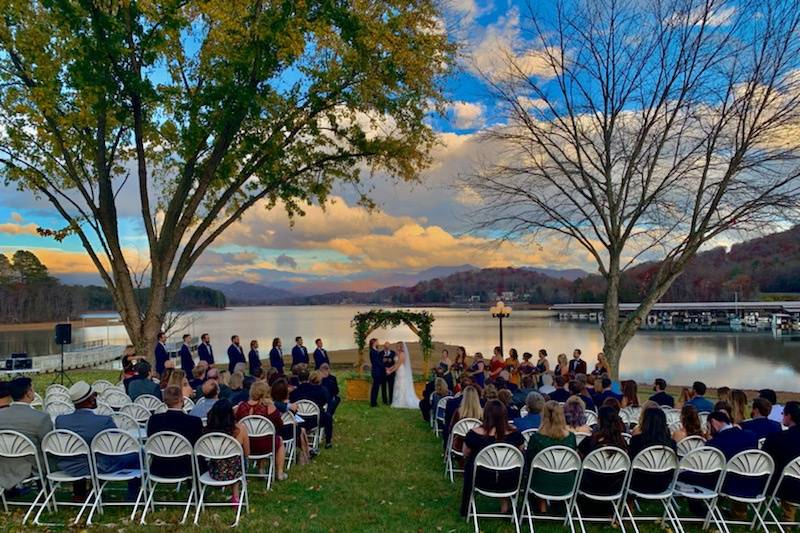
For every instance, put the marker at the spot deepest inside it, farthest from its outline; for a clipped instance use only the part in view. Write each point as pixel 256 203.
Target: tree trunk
pixel 611 346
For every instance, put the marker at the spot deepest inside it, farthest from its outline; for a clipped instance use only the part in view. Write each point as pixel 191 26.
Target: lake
pixel 747 360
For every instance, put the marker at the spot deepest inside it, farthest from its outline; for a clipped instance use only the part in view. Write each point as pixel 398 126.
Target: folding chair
pixel 496 459
pixel 755 466
pixel 608 461
pixel 149 402
pixel 57 396
pixel 261 427
pixel 114 397
pixel 103 409
pixel 439 422
pixel 687 444
pixel 460 429
pixel 16 445
pixel 547 465
pixel 64 444
pixel 115 443
pixel 591 418
pixel 219 446
pixel 168 445
pixel 704 463
pixel 38 401
pixel 102 385
pixel 57 408
pixel 703 416
pixel 188 404
pixel 432 411
pixel 308 409
pixel 790 472
pixel 653 460
pixel 290 444
pixel 580 435
pixel 56 387
pixel 527 434
pixel 673 415
pixel 137 412
pixel 128 424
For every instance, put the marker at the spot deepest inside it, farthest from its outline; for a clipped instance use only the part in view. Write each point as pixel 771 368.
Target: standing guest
pixel 776 413
pixel 547 387
pixel 561 394
pixel 630 394
pixel 496 365
pixel 187 362
pixel 528 386
pixel 378 371
pixel 235 353
pixel 698 398
pixel 221 420
pixel 534 403
pixel 601 367
pixel 478 370
pixel 661 397
pixel 444 361
pixel 784 447
pixel 260 404
pixel 320 355
pixel 210 397
pixel 332 386
pixel 239 393
pixel 253 359
pixel 542 364
pixel 739 412
pixel 387 387
pixel 310 389
pixel 526 368
pixel 143 384
pixel 577 365
pixel 512 366
pixel 299 353
pixel 760 425
pixel 205 352
pixel 505 395
pixel 606 392
pixel 161 352
pixel 276 355
pixel 495 429
pixel 575 415
pixel 174 419
pixel 690 424
pixel 34 424
pixel 562 367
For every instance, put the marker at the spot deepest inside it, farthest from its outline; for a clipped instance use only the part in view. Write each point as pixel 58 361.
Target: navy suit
pixel 321 357
pixel 179 422
pixel 235 355
pixel 784 447
pixel 761 427
pixel 602 396
pixel 378 375
pixel 254 361
pixel 276 359
pixel 319 395
pixel 299 355
pixel 206 353
pixel 730 442
pixel 187 363
pixel 559 395
pixel 161 357
pixel 662 398
pixel 87 424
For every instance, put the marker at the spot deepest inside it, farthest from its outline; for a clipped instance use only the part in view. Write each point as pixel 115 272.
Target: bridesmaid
pixel 444 361
pixel 459 364
pixel 526 367
pixel 478 369
pixel 601 367
pixel 512 366
pixel 562 368
pixel 542 365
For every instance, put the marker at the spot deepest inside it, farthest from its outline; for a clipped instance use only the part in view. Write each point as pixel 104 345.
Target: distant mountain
pixel 244 293
pixel 570 274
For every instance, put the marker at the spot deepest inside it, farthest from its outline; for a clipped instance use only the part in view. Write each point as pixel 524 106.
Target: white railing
pixel 86 357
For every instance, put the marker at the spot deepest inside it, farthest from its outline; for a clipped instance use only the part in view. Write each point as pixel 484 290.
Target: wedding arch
pixel 419 322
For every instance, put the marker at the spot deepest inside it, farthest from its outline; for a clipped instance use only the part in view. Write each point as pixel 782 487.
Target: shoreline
pixel 44 326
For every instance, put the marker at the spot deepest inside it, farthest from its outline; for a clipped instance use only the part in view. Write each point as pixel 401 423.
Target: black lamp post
pixel 500 311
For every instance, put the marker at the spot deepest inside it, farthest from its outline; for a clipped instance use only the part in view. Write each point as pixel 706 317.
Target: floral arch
pixel 418 322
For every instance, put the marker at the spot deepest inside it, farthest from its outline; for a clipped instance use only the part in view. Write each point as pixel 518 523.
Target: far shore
pixel 43 326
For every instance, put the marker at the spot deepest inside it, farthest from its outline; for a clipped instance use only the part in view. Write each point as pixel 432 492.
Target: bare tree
pixel 647 130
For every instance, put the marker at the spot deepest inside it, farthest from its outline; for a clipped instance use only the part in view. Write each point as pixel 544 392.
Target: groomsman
pixel 388 356
pixel 187 363
pixel 161 353
pixel 299 352
pixel 205 352
pixel 276 355
pixel 577 365
pixel 253 359
pixel 235 354
pixel 320 355
pixel 378 373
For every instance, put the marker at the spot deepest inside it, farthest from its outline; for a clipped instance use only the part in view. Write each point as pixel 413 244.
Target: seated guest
pixel 34 424
pixel 561 393
pixel 698 398
pixel 739 412
pixel 661 397
pixel 490 392
pixel 575 415
pixel 724 394
pixel 425 404
pixel 784 447
pixel 440 391
pixel 534 402
pixel 723 405
pixel 578 388
pixel 210 396
pixel 776 413
pixel 504 395
pixel 630 394
pixel 177 421
pixel 332 386
pixel 163 379
pixel 690 424
pixel 592 385
pixel 261 404
pixel 238 392
pixel 638 424
pixel 547 385
pixel 178 379
pixel 279 390
pixel 495 428
pixel 528 386
pixel 731 440
pixel 223 378
pixel 760 425
pixel 221 420
pixel 198 376
pixel 608 433
pixel 653 431
pixel 606 392
pixel 87 425
pixel 613 403
pixel 469 406
pixel 312 390
pixel 143 384
pixel 684 397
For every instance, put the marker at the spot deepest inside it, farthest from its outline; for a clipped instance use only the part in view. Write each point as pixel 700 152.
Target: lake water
pixel 748 360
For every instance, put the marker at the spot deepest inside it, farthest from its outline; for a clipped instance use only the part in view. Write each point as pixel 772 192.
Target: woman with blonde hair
pixel 562 368
pixel 601 367
pixel 470 408
pixel 261 404
pixel 738 401
pixel 552 432
pixel 178 379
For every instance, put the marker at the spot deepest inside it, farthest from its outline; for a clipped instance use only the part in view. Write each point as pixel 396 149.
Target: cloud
pixel 467 115
pixel 284 260
pixel 19 229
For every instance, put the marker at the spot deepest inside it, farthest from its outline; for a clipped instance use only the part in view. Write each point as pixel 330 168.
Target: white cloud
pixel 467 115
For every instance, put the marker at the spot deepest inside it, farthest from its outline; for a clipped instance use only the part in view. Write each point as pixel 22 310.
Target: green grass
pixel 385 473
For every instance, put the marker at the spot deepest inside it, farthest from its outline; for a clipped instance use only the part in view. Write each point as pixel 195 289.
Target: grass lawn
pixel 385 473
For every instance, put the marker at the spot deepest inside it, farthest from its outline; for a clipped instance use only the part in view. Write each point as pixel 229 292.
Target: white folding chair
pixel 149 402
pixel 307 409
pixel 188 404
pixel 439 421
pixel 610 462
pixel 102 385
pixel 15 445
pixel 55 387
pixel 497 459
pixel 460 429
pixel 432 411
pixel 120 385
pixel 167 445
pixel 115 443
pixel 580 435
pixel 687 444
pixel 701 463
pixel 114 397
pixel 552 461
pixel 527 434
pixel 627 419
pixel 103 409
pixel 63 444
pixel 790 473
pixel 137 412
pixel 261 427
pixel 38 401
pixel 673 415
pixel 127 423
pixel 215 446
pixel 757 467
pixel 675 426
pixel 290 445
pixel 57 396
pixel 58 408
pixel 591 418
pixel 653 460
pixel 703 416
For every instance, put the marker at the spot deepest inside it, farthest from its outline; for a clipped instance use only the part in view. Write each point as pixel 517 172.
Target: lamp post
pixel 500 311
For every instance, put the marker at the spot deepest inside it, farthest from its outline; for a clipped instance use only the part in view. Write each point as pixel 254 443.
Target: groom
pixel 388 362
pixel 378 373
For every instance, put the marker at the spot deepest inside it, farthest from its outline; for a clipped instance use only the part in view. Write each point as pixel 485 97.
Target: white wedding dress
pixel 404 395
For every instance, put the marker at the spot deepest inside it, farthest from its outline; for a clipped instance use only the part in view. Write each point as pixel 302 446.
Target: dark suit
pixel 662 398
pixel 319 395
pixel 559 395
pixel 761 427
pixel 187 363
pixel 332 386
pixel 139 386
pixel 321 357
pixel 206 353
pixel 161 357
pixel 388 382
pixel 378 376
pixel 177 421
pixel 299 355
pixel 784 447
pixel 235 356
pixel 602 396
pixel 276 359
pixel 577 366
pixel 730 442
pixel 254 361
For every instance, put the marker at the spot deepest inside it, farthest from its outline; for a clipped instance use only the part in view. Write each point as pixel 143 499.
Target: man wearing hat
pixel 21 417
pixel 87 424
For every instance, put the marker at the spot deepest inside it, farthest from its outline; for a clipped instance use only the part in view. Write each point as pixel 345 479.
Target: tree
pixel 190 113
pixel 6 270
pixel 28 269
pixel 645 130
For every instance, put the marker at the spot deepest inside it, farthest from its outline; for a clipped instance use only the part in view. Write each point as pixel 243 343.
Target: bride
pixel 404 396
